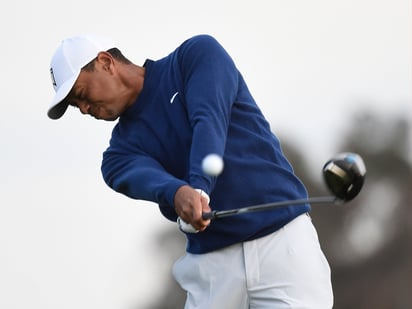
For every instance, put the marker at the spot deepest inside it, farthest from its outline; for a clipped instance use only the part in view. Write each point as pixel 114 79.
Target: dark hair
pixel 116 54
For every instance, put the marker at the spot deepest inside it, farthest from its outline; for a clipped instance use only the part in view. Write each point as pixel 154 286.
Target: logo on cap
pixel 52 77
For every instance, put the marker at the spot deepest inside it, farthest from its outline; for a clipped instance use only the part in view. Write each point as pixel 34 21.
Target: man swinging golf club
pixel 171 113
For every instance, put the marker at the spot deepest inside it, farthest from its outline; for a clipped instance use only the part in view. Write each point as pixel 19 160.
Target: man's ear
pixel 105 60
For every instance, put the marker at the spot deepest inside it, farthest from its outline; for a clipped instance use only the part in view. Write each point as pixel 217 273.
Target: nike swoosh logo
pixel 173 97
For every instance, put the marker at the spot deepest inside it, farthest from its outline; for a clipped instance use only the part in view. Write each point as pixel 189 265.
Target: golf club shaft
pixel 216 214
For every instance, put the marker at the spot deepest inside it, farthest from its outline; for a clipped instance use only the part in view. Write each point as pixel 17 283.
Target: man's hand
pixel 189 206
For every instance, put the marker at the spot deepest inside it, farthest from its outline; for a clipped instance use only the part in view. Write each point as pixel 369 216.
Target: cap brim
pixel 59 105
pixel 58 110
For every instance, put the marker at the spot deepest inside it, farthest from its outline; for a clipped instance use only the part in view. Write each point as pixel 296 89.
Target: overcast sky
pixel 67 240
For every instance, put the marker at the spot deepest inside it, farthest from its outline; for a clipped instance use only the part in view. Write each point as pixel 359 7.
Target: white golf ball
pixel 212 164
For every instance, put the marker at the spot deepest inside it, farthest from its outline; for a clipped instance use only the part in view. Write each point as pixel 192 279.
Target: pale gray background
pixel 66 240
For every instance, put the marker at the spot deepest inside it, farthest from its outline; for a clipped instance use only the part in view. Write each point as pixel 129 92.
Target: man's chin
pixel 106 118
pixel 112 119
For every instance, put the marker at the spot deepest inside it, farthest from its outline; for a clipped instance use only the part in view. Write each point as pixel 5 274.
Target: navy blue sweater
pixel 195 102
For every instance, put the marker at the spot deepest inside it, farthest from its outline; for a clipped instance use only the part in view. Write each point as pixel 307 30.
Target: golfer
pixel 171 113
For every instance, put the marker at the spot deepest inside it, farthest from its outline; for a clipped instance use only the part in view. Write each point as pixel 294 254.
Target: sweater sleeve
pixel 211 84
pixel 147 182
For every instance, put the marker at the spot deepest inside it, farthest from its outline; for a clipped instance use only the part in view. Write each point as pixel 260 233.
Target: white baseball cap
pixel 68 60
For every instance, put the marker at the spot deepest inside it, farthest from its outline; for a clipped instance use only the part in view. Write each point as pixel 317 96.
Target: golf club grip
pixel 209 215
pixel 188 228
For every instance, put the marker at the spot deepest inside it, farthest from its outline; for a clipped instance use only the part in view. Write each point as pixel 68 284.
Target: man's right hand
pixel 190 204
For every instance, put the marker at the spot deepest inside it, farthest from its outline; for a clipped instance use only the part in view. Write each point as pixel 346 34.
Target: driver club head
pixel 344 175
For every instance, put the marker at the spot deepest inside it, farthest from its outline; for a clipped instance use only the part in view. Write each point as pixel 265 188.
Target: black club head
pixel 344 175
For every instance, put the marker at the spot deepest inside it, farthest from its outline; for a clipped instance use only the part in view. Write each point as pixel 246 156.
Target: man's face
pixel 100 92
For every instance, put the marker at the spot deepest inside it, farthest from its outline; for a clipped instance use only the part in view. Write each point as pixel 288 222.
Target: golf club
pixel 344 176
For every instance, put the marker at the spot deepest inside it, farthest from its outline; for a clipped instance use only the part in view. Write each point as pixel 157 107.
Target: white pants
pixel 285 269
